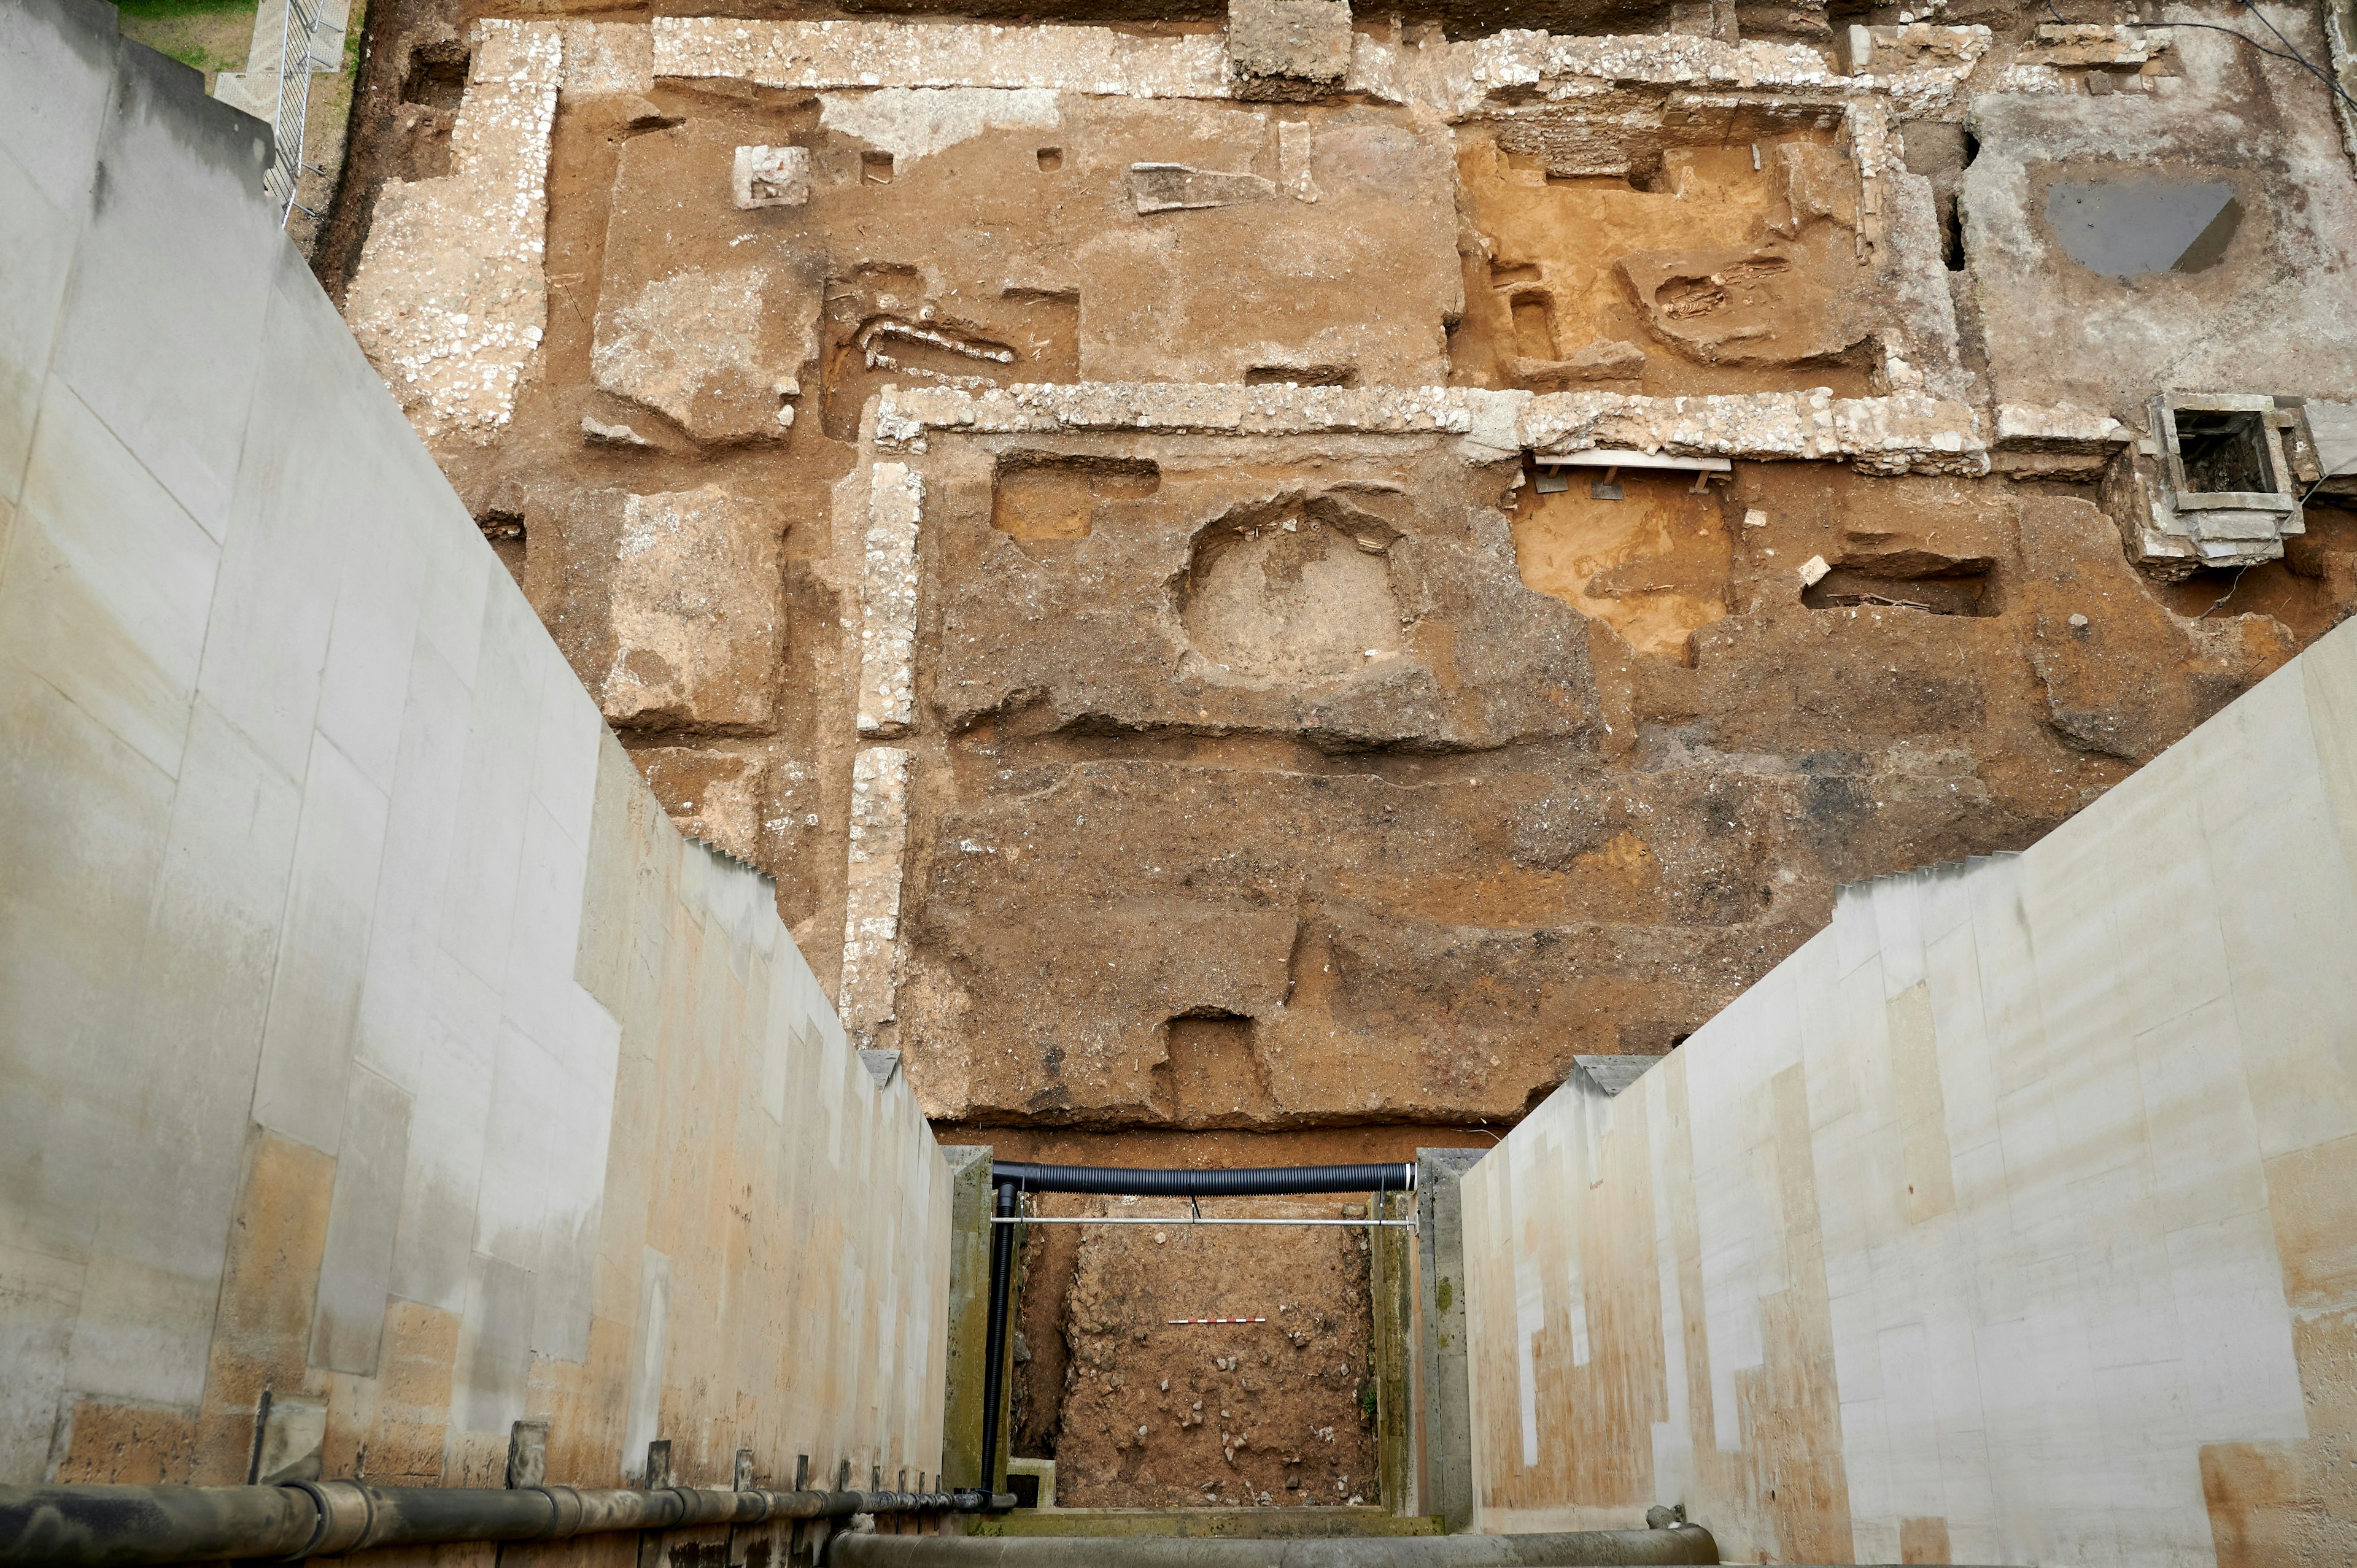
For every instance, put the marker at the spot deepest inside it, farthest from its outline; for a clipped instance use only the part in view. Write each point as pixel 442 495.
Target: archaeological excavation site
pixel 1246 783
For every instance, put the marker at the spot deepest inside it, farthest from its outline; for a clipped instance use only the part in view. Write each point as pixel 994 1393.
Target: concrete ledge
pixel 1609 1075
pixel 1239 1524
pixel 1443 1392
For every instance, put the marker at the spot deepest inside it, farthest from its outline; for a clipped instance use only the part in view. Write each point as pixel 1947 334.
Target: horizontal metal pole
pixel 309 1519
pixel 1259 1181
pixel 1575 1549
pixel 1186 1219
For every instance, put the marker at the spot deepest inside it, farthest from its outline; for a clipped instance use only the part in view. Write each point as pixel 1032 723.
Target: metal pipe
pixel 1575 1549
pixel 308 1519
pixel 1266 1181
pixel 995 1327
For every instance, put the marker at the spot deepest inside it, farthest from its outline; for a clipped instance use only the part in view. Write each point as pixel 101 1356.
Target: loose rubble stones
pixel 771 176
pixel 1289 49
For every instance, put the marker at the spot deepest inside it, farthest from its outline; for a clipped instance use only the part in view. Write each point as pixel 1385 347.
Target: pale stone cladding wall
pixel 2011 1219
pixel 368 1036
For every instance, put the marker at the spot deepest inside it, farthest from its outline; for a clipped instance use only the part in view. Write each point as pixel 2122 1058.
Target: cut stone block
pixel 1168 188
pixel 1605 360
pixel 597 432
pixel 1857 49
pixel 2056 439
pixel 694 614
pixel 719 353
pixel 1287 49
pixel 772 177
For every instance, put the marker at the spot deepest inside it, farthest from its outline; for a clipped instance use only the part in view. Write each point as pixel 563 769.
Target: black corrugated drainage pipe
pixel 1004 1206
pixel 1268 1181
pixel 322 1519
pixel 1575 1549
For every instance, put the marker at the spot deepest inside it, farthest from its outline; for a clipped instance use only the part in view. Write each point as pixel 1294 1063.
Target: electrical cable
pixel 2271 54
pixel 2230 591
pixel 2294 57
pixel 2252 6
pixel 2305 494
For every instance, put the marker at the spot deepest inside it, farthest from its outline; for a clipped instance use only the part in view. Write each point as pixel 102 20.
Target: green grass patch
pixel 210 35
pixel 166 10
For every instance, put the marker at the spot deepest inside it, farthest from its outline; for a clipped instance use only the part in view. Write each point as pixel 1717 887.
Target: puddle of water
pixel 2127 228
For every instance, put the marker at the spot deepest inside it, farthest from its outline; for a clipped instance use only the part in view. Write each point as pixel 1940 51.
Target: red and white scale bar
pixel 1183 1322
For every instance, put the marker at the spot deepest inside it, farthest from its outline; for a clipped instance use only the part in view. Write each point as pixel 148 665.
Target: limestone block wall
pixel 379 1068
pixel 2007 1221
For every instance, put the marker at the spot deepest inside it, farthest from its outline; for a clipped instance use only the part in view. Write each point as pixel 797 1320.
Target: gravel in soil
pixel 1161 1414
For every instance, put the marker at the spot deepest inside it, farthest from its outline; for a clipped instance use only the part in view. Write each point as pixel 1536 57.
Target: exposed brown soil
pixel 396 37
pixel 1068 1404
pixel 1734 266
pixel 1321 800
pixel 1153 1413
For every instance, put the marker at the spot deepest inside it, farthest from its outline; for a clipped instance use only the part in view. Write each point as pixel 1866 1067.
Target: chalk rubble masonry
pixel 871 918
pixel 771 176
pixel 887 600
pixel 1902 432
pixel 451 300
pixel 1452 79
pixel 452 306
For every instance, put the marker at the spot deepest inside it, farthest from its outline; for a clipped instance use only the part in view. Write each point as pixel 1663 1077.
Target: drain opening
pixel 2224 452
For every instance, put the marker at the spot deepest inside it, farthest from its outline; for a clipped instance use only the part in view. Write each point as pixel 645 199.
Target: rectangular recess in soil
pixel 1047 495
pixel 1960 594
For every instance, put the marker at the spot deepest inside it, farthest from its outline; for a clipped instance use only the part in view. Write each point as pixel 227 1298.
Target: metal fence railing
pixel 298 57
